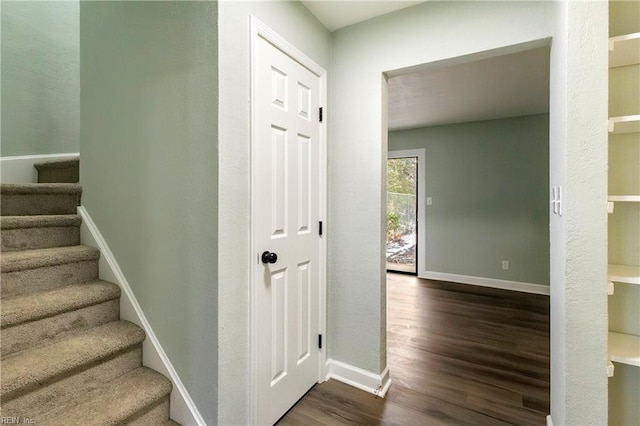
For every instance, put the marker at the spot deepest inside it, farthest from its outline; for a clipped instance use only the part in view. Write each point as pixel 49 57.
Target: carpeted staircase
pixel 66 357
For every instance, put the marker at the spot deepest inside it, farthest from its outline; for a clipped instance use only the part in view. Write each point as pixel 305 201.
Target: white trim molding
pixel 488 282
pixel 377 384
pixel 549 421
pixel 19 168
pixel 183 409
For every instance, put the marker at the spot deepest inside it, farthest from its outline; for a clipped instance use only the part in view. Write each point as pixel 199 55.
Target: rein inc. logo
pixel 16 421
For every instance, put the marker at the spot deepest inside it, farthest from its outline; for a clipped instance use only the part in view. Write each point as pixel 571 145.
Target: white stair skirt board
pixel 488 282
pixel 19 169
pixel 549 421
pixel 183 409
pixel 377 384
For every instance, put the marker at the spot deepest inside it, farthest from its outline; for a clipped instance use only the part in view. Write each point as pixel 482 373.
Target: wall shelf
pixel 624 50
pixel 624 130
pixel 624 348
pixel 624 198
pixel 624 124
pixel 624 274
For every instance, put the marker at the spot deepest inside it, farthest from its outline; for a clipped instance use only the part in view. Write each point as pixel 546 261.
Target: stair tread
pixel 30 368
pixel 63 163
pixel 39 258
pixel 40 188
pixel 34 306
pixel 115 402
pixel 39 221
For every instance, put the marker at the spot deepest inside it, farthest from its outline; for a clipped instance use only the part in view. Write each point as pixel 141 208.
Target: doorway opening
pixel 481 241
pixel 406 232
pixel 402 215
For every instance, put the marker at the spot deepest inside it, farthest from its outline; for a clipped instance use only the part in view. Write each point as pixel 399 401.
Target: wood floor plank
pixel 457 355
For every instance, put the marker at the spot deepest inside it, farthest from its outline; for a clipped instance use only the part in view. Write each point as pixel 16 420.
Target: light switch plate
pixel 556 200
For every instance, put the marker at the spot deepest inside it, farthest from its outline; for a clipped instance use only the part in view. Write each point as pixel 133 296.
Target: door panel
pixel 286 212
pixel 279 182
pixel 304 181
pixel 304 313
pixel 279 330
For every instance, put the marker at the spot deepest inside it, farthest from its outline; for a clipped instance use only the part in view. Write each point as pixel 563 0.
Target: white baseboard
pixel 549 421
pixel 19 169
pixel 183 409
pixel 488 282
pixel 377 384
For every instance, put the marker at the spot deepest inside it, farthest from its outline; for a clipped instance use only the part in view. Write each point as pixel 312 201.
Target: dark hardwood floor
pixel 457 355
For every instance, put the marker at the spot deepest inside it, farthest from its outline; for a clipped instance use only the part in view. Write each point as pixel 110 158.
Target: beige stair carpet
pixel 66 357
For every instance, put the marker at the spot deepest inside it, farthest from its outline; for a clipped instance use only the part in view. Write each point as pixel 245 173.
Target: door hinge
pixel 319 341
pixel 320 114
pixel 320 228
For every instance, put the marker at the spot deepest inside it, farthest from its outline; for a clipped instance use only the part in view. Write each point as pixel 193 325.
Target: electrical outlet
pixel 505 265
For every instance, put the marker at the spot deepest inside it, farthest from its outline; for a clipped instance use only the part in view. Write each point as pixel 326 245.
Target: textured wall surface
pixel 578 163
pixel 489 183
pixel 298 26
pixel 427 33
pixel 149 168
pixel 40 77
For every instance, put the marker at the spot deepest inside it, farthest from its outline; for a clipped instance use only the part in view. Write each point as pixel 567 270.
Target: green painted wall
pixel 149 168
pixel 488 181
pixel 40 77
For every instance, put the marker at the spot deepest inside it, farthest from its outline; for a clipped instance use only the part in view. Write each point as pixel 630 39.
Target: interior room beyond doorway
pixel 484 129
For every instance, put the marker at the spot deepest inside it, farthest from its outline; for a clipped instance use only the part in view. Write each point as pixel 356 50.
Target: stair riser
pixel 64 175
pixel 36 204
pixel 55 393
pixel 29 281
pixel 49 330
pixel 157 414
pixel 37 238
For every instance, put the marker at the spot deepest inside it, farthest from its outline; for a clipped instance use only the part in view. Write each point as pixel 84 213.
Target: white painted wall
pixel 578 162
pixel 296 24
pixel 434 31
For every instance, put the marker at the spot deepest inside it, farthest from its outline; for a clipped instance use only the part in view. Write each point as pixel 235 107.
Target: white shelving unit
pixel 624 198
pixel 628 274
pixel 624 50
pixel 624 124
pixel 624 129
pixel 624 348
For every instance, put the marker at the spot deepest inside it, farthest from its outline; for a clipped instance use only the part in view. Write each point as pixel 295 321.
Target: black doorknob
pixel 268 257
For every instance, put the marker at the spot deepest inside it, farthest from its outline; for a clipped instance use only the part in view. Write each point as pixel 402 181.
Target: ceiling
pixel 500 87
pixel 335 14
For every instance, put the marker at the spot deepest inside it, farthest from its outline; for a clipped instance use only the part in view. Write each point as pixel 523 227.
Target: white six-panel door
pixel 286 207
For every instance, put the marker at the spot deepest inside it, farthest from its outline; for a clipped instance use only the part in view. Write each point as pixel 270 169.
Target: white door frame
pixel 421 203
pixel 260 30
